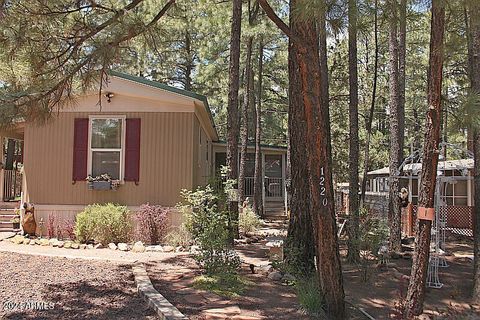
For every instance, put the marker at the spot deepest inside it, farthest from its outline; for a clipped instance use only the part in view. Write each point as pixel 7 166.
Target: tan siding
pixel 201 144
pixel 166 162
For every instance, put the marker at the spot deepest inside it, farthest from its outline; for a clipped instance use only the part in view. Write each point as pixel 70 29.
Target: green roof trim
pixel 262 145
pixel 168 88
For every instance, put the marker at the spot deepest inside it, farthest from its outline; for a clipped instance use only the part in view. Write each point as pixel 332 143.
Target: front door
pixel 274 177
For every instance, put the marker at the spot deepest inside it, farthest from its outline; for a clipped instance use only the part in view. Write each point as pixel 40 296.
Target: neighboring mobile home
pixel 155 139
pixel 455 188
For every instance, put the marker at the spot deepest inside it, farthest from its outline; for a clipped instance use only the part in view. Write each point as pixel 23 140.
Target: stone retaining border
pixel 162 306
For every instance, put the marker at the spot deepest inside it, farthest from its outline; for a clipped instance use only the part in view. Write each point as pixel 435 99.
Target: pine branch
pixel 279 22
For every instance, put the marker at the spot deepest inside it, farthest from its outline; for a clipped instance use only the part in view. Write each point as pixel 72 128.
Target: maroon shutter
pixel 132 150
pixel 80 149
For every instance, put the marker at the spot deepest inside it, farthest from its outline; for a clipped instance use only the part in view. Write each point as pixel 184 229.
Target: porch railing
pixel 273 187
pixel 249 186
pixel 12 184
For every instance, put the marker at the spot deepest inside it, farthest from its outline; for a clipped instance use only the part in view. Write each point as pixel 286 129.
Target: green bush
pixel 310 296
pixel 209 229
pixel 104 223
pixel 248 221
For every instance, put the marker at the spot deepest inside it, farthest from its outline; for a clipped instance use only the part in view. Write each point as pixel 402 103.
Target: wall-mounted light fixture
pixel 109 96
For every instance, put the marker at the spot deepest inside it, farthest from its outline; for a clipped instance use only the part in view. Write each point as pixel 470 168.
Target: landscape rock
pixel 156 248
pixel 138 247
pixel 112 246
pixel 18 239
pixel 122 246
pixel 75 245
pixel 287 277
pixel 67 244
pixel 37 241
pixel 26 241
pixel 275 276
pixel 60 244
pixel 194 249
pixel 179 249
pixel 53 241
pixel 90 246
pixel 83 246
pixel 168 249
pixel 44 242
pixel 267 269
pixel 32 242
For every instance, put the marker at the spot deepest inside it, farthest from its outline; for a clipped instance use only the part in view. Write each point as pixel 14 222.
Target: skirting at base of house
pixel 64 214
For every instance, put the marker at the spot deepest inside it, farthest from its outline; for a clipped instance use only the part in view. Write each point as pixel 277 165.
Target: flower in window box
pixel 115 184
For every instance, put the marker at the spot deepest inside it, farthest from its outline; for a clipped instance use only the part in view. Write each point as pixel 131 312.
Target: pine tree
pixel 353 159
pixel 232 110
pixel 416 287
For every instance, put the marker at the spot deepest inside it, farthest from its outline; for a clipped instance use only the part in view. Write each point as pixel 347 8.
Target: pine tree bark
pixel 353 201
pixel 395 130
pixel 416 287
pixel 257 183
pixel 244 129
pixel 300 242
pixel 372 108
pixel 402 53
pixel 232 112
pixel 322 207
pixel 306 84
pixel 474 65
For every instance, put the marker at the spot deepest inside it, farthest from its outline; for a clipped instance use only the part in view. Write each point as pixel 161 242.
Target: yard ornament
pixel 29 225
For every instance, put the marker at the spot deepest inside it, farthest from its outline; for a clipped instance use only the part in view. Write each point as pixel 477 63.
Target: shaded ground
pixel 381 295
pixel 74 289
pixel 263 299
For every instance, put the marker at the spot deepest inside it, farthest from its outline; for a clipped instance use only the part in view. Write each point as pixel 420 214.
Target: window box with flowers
pixel 102 182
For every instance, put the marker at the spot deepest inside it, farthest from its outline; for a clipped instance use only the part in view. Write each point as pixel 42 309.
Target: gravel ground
pixel 69 289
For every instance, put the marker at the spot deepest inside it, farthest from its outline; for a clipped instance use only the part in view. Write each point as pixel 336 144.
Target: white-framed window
pixel 106 146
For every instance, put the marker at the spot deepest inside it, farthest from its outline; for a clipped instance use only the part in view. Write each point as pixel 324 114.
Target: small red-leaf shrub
pixel 51 226
pixel 151 223
pixel 69 228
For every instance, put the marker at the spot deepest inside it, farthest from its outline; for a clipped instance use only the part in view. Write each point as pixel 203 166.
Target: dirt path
pixel 386 289
pixel 68 289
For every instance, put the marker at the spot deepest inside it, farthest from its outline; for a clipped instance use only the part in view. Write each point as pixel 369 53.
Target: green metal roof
pixel 168 88
pixel 262 145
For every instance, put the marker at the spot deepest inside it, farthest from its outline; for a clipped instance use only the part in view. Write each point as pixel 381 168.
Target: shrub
pixel 310 296
pixel 69 228
pixel 209 229
pixel 151 223
pixel 179 237
pixel 104 223
pixel 51 225
pixel 227 285
pixel 248 221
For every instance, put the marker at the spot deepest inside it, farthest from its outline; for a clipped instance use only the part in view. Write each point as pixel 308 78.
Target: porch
pixel 11 176
pixel 273 179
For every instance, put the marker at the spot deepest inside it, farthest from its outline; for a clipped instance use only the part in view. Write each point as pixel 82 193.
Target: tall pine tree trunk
pixel 353 203
pixel 322 206
pixel 300 243
pixel 258 178
pixel 244 131
pixel 372 110
pixel 474 65
pixel 232 112
pixel 305 83
pixel 416 287
pixel 394 215
pixel 402 53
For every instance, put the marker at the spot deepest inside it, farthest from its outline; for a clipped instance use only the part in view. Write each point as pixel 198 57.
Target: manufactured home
pixel 151 139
